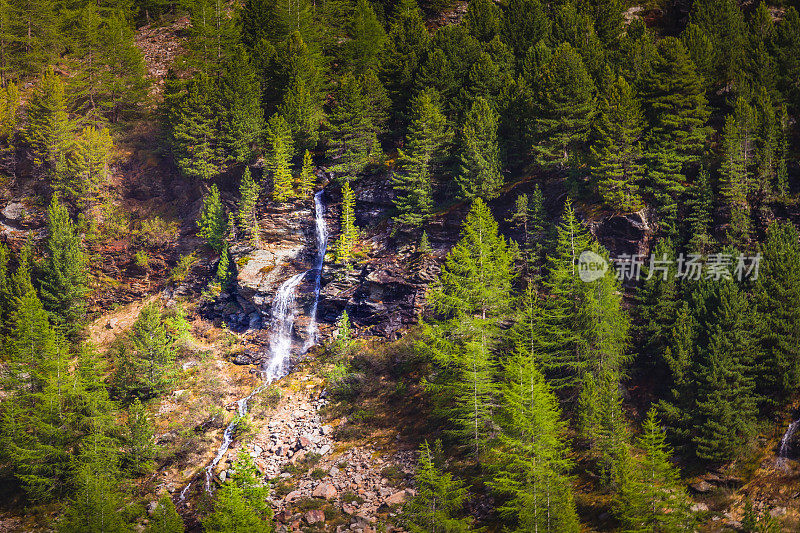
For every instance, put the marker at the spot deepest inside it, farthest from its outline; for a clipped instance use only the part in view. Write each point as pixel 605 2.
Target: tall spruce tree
pixel 242 118
pixel 675 106
pixel 65 278
pixel 564 105
pixel 213 222
pixel 616 151
pixel 280 149
pixel 48 127
pixel 439 499
pixel 777 297
pixel 368 37
pixel 481 173
pixel 348 233
pixel 427 136
pixel 194 132
pixel 353 137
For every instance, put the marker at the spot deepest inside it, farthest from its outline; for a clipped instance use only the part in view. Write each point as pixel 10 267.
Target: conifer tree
pixel 9 113
pixel 165 518
pixel 348 234
pixel 427 136
pixel 700 204
pixel 212 35
pixel 481 174
pixel 368 37
pixel 353 137
pixel 405 49
pixel 240 504
pixel 616 150
pixel 564 106
pixel 676 108
pixel 777 298
pixel 482 20
pixel 654 500
pixel 723 22
pixel 48 127
pixel 65 280
pixel 249 193
pixel 737 163
pixel 302 109
pixel 523 24
pixel 529 466
pixel 194 133
pixel 139 449
pixel 424 244
pixel 87 165
pixel 701 51
pixel 242 118
pixel 657 306
pixel 280 149
pixel 306 179
pixel 725 408
pixel 213 222
pixel 788 55
pixel 439 499
pixel 146 367
pixel 575 26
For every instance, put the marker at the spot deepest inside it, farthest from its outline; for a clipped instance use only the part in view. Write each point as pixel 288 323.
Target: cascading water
pixel 783 451
pixel 319 260
pixel 282 322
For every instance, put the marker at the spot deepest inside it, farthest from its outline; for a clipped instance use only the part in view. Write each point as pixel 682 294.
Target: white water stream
pixel 783 451
pixel 284 313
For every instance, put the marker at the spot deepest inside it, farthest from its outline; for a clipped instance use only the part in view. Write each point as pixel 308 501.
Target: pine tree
pixel 736 169
pixel 302 109
pixel 213 222
pixel 699 204
pixel 146 367
pixel 616 150
pixel 280 149
pixel 348 234
pixel 608 19
pixel 139 443
pixel 65 280
pixel 575 26
pixel 655 499
pixel 368 37
pixel 87 165
pixel 788 55
pixel 725 408
pixel 424 244
pixel 407 45
pixel 657 307
pixel 777 298
pixel 529 466
pixel 564 105
pixel 353 136
pixel 427 136
pixel 523 24
pixel 306 179
pixel 240 503
pixel 701 51
pixel 676 108
pixel 212 35
pixel 439 499
pixel 194 133
pixel 242 118
pixel 723 22
pixel 247 216
pixel 165 518
pixel 482 20
pixel 48 127
pixel 481 174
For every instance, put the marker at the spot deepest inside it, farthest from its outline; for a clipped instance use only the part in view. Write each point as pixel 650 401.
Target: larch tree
pixel 348 233
pixel 242 118
pixel 306 178
pixel 48 129
pixel 280 150
pixel 247 216
pixel 213 221
pixel 368 37
pixel 407 45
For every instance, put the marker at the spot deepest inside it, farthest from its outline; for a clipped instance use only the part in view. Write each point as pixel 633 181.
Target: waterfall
pixel 281 326
pixel 783 451
pixel 319 260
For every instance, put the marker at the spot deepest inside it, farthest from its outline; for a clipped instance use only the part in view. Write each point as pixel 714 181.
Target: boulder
pixel 314 516
pixel 325 490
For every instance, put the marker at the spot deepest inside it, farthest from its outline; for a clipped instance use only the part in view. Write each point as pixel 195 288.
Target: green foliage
pixel 165 518
pixel 306 180
pixel 280 149
pixel 86 165
pixel 564 105
pixel 523 24
pixel 407 45
pixel 616 150
pixel 439 499
pixel 145 365
pixel 48 127
pixel 530 463
pixel 65 279
pixel 247 216
pixel 737 167
pixel 654 499
pixel 242 121
pixel 368 37
pixel 213 221
pixel 482 20
pixel 481 173
pixel 139 443
pixel 348 232
pixel 428 135
pixel 240 504
pixel 192 119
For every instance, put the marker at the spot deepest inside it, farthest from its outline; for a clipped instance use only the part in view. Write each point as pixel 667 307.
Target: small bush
pixel 181 270
pixel 318 474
